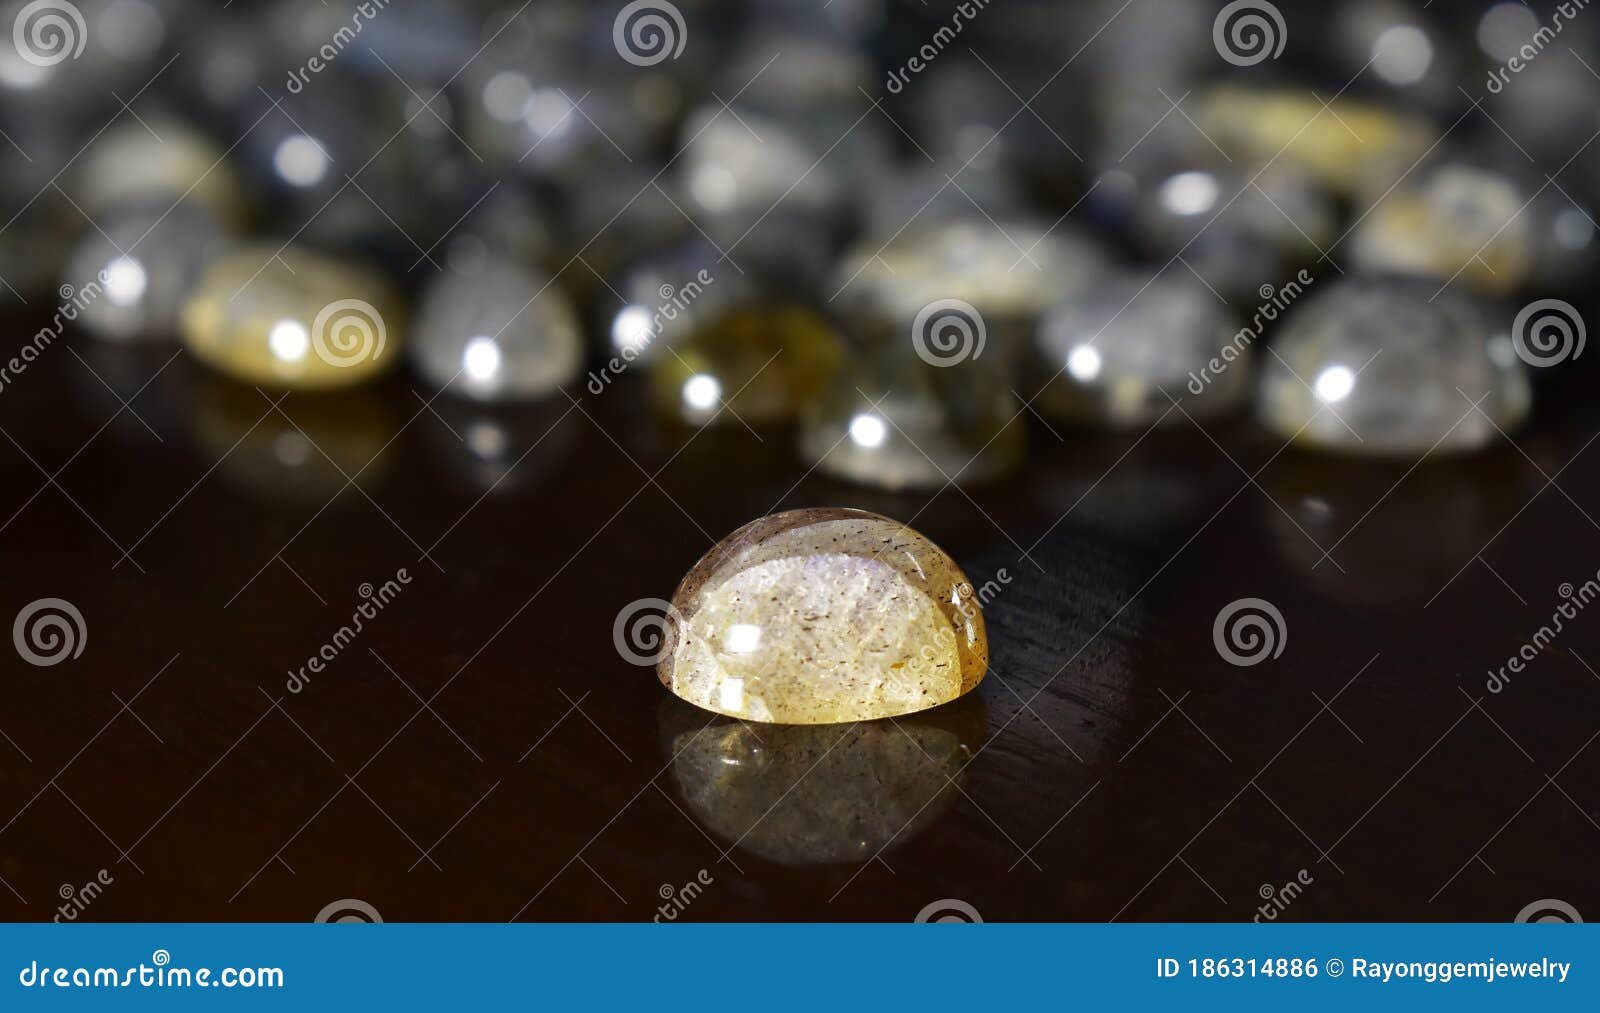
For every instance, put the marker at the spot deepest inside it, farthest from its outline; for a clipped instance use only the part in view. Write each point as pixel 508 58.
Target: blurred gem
pixel 856 617
pixel 1490 229
pixel 1347 145
pixel 887 418
pixel 1393 367
pixel 147 262
pixel 499 333
pixel 1125 352
pixel 293 318
pixel 1009 271
pixel 159 160
pixel 754 363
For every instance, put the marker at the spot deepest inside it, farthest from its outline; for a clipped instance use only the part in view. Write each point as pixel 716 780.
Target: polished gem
pixel 754 364
pixel 887 418
pixel 1129 351
pixel 498 333
pixel 292 318
pixel 1390 366
pixel 824 615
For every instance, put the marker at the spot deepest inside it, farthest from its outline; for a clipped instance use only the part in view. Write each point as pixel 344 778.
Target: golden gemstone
pixel 1349 145
pixel 759 362
pixel 291 318
pixel 824 615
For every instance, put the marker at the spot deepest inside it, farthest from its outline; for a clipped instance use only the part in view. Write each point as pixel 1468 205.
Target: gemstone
pixel 166 161
pixel 145 262
pixel 824 615
pixel 1490 230
pixel 1237 231
pixel 499 333
pixel 292 318
pixel 1393 366
pixel 1123 353
pixel 1346 143
pixel 755 363
pixel 887 418
pixel 809 795
pixel 1008 272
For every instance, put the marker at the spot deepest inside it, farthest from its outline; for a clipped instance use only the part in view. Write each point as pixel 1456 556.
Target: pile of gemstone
pixel 898 228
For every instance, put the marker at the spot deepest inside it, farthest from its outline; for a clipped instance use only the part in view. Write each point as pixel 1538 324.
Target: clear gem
pixel 1388 366
pixel 1123 353
pixel 498 333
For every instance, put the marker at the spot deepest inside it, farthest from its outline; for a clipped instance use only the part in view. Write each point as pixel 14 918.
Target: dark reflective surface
pixel 1111 766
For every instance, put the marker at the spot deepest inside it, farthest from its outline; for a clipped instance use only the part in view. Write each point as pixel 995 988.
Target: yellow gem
pixel 824 615
pixel 292 318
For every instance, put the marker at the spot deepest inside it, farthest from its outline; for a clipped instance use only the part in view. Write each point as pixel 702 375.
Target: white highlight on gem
pixel 701 391
pixel 1190 193
pixel 631 328
pixel 481 358
pixel 1334 384
pixel 731 695
pixel 742 638
pixel 1083 362
pixel 289 340
pixel 125 281
pixel 868 430
pixel 300 160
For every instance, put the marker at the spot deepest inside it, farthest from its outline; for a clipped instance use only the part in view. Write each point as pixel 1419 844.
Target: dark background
pixel 482 753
